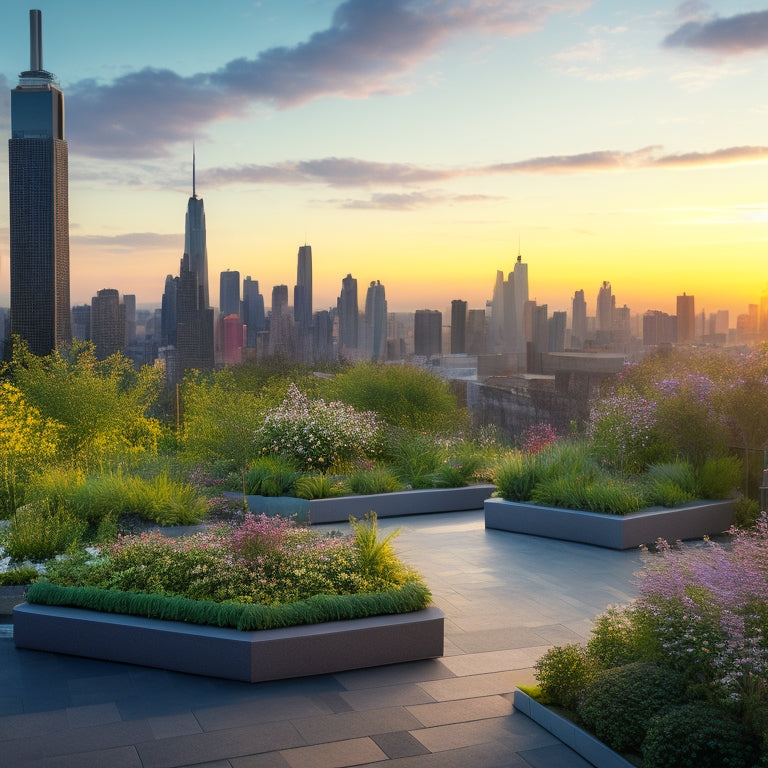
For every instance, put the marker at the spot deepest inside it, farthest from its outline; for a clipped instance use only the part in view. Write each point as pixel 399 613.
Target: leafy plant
pixel 38 533
pixel 318 487
pixel 516 475
pixel 746 512
pixel 415 459
pixel 719 478
pixel 619 703
pixel 18 577
pixel 563 672
pixel 698 735
pixel 373 480
pixel 271 475
pixel 599 493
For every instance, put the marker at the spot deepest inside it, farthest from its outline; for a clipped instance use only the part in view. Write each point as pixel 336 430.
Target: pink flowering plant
pixel 264 560
pixel 537 437
pixel 318 435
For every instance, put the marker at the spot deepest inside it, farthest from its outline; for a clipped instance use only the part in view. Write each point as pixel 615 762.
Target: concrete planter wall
pixel 581 742
pixel 11 597
pixel 399 503
pixel 691 521
pixel 271 654
pixel 338 510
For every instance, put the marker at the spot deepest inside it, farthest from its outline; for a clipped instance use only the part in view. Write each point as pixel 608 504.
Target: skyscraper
pixel 428 332
pixel 458 326
pixel 253 311
pixel 579 320
pixel 376 321
pixel 229 293
pixel 194 240
pixel 348 312
pixel 107 323
pixel 302 293
pixel 39 205
pixel 686 319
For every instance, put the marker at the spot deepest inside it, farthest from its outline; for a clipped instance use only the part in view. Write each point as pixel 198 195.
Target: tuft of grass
pixel 516 475
pixel 719 478
pixel 377 557
pixel 39 532
pixel 318 487
pixel 271 476
pixel 375 480
pixel 596 494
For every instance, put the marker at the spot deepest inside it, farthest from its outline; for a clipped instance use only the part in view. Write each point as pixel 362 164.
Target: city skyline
pixel 416 143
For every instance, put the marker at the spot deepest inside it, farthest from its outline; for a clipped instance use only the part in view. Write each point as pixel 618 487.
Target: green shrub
pixel 39 533
pixel 415 459
pixel 516 475
pixel 665 493
pixel 615 639
pixel 680 473
pixel 746 512
pixel 718 478
pixel 619 703
pixel 374 480
pixel 272 475
pixel 563 672
pixel 697 735
pixel 599 494
pixel 18 577
pixel 318 487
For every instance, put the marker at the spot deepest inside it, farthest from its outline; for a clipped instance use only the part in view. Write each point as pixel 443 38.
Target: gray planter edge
pixel 690 521
pixel 395 504
pixel 581 742
pixel 12 596
pixel 273 654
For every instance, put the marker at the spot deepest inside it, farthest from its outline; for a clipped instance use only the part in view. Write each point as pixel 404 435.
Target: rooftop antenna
pixel 35 41
pixel 519 253
pixel 194 193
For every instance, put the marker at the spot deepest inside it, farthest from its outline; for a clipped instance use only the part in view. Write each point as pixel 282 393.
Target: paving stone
pixel 443 713
pixel 349 725
pixel 388 696
pixel 259 711
pixel 97 714
pixel 556 755
pixel 495 661
pixel 119 757
pixel 400 744
pixel 338 754
pixel 174 725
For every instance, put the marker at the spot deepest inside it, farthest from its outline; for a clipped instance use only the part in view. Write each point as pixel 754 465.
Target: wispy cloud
pixel 410 201
pixel 129 242
pixel 357 173
pixel 738 34
pixel 368 48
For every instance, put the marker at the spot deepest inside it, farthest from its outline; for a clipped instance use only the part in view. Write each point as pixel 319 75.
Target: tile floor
pixel 506 599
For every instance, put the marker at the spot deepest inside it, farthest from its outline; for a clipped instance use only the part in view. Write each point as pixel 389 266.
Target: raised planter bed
pixel 581 742
pixel 690 521
pixel 11 597
pixel 337 510
pixel 272 654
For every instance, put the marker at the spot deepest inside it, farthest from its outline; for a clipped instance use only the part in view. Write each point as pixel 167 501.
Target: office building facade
pixel 39 206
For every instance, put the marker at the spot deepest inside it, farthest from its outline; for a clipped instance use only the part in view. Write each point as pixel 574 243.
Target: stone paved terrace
pixel 506 599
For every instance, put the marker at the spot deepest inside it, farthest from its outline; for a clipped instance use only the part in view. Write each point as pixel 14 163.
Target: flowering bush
pixel 317 434
pixel 537 437
pixel 266 560
pixel 701 615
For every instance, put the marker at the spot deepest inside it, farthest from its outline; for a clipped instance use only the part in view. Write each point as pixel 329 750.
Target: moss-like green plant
pixel 272 475
pixel 18 577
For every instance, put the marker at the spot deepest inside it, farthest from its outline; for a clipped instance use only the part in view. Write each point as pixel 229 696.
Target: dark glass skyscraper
pixel 39 208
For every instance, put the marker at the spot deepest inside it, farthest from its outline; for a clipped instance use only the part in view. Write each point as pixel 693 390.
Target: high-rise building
pixel 458 327
pixel 39 206
pixel 252 311
pixel 556 328
pixel 606 303
pixel 168 312
pixel 578 320
pixel 232 335
pixel 302 292
pixel 348 312
pixel 129 300
pixel 194 241
pixel 376 321
pixel 107 323
pixel 686 319
pixel 229 293
pixel 282 335
pixel 81 322
pixel 476 332
pixel 427 332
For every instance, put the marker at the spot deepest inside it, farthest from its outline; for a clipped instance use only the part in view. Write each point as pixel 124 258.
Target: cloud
pixel 356 173
pixel 738 34
pixel 410 201
pixel 129 242
pixel 368 47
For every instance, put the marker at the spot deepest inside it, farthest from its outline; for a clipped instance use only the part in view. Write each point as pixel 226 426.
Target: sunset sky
pixel 415 142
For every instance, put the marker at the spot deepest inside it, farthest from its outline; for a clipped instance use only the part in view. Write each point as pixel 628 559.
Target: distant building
pixel 81 322
pixel 129 300
pixel 458 327
pixel 39 206
pixel 427 332
pixel 686 319
pixel 658 328
pixel 252 311
pixel 476 332
pixel 348 313
pixel 232 334
pixel 229 293
pixel 606 303
pixel 107 323
pixel 376 322
pixel 578 320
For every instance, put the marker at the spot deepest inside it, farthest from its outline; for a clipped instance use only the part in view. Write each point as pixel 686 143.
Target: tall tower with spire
pixel 39 205
pixel 194 238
